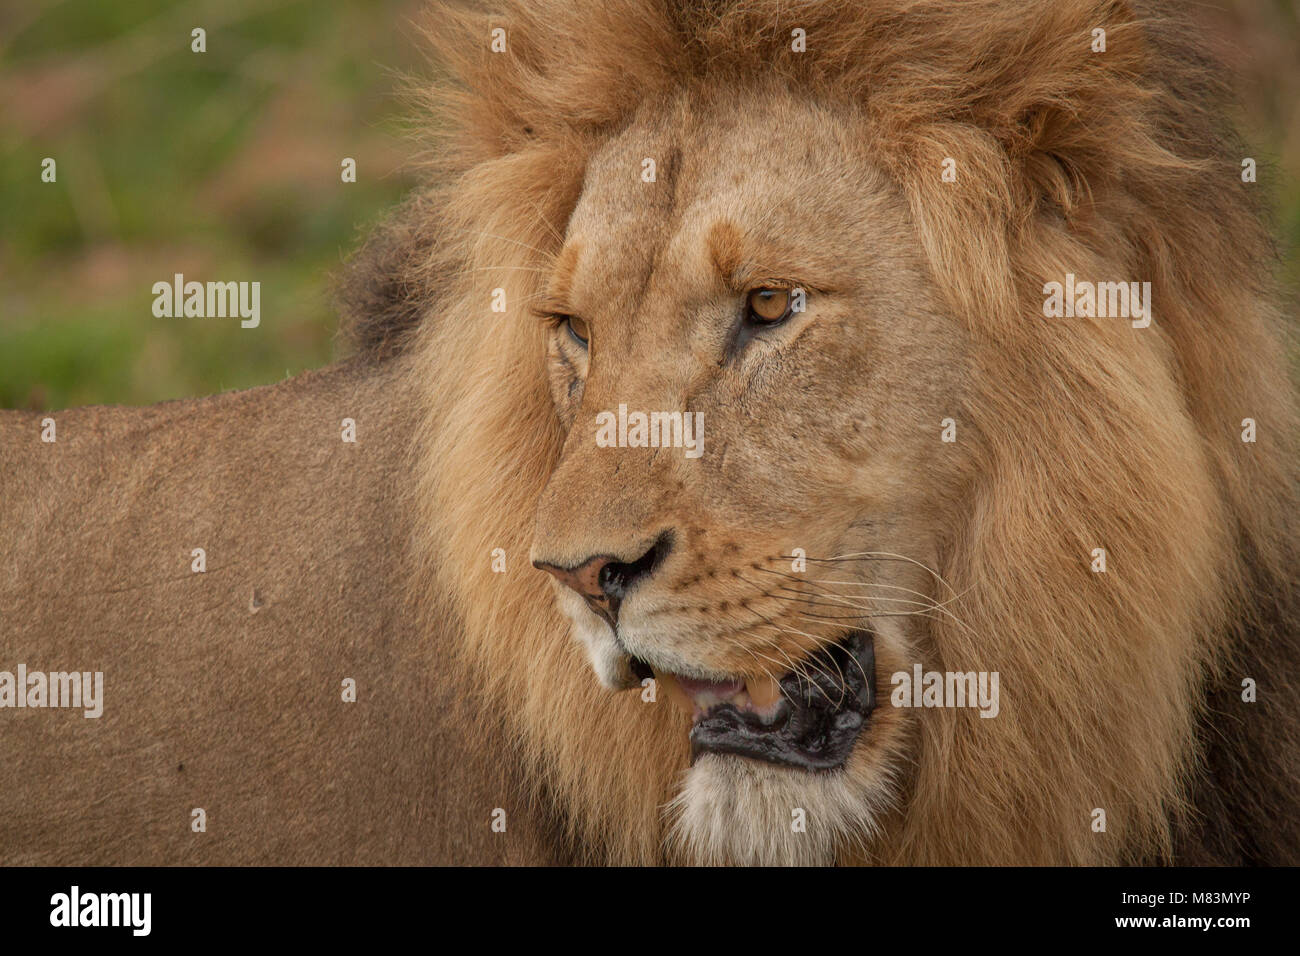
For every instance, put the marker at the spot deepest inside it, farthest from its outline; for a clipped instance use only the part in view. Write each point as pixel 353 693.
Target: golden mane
pixel 1113 164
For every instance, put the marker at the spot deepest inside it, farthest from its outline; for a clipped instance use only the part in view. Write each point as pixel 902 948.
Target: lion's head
pixel 733 315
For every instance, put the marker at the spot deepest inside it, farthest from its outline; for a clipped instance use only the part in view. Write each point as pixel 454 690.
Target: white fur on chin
pixel 734 811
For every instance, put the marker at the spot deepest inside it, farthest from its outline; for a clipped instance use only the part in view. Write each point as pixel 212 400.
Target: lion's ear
pixel 1070 107
pixel 1040 97
pixel 1032 108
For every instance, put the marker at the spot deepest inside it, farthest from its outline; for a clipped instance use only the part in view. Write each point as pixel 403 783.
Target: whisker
pixel 829 642
pixel 819 597
pixel 877 584
pixel 546 222
pixel 889 556
pixel 464 272
pixel 819 642
pixel 518 242
pixel 794 667
pixel 798 668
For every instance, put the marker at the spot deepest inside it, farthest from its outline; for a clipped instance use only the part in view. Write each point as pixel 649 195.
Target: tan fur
pixel 222 689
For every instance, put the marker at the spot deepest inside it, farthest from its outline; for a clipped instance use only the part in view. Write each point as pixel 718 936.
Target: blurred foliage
pixel 222 165
pixel 225 165
pixel 1258 42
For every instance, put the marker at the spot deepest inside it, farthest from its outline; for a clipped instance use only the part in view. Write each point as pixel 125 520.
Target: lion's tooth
pixel 675 693
pixel 763 691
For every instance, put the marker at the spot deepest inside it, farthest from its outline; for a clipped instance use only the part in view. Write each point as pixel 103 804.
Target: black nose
pixel 603 580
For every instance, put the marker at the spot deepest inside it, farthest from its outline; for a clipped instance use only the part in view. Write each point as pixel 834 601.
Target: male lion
pixel 731 317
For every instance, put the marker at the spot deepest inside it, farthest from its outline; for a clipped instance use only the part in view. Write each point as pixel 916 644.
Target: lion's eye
pixel 578 329
pixel 769 306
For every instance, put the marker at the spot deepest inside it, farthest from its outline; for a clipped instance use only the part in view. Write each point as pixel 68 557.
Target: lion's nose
pixel 603 581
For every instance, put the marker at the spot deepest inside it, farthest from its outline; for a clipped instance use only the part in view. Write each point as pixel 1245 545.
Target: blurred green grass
pixel 224 166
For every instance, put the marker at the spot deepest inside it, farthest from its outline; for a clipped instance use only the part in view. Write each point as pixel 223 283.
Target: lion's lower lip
pixel 815 724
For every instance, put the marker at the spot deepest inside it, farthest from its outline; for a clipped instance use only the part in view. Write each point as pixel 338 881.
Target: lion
pixel 715 498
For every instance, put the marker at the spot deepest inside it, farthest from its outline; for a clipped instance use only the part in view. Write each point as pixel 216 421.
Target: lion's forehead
pixel 655 196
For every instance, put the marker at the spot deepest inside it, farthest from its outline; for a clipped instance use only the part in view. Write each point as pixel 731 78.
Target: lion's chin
pixel 733 811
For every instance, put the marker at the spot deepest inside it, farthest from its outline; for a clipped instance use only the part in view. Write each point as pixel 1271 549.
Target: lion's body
pixel 208 703
pixel 1123 689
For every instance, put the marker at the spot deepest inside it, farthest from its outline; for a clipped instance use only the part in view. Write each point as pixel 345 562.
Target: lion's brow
pixel 560 287
pixel 744 261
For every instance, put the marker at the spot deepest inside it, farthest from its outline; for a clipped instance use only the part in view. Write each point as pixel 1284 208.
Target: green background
pixel 225 166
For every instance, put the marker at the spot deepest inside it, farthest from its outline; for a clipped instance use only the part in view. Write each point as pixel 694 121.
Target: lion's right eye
pixel 769 306
pixel 578 329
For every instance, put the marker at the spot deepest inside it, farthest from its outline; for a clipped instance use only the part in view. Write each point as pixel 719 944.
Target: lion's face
pixel 761 539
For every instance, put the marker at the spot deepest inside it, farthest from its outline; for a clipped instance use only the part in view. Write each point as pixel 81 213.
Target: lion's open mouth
pixel 809 720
